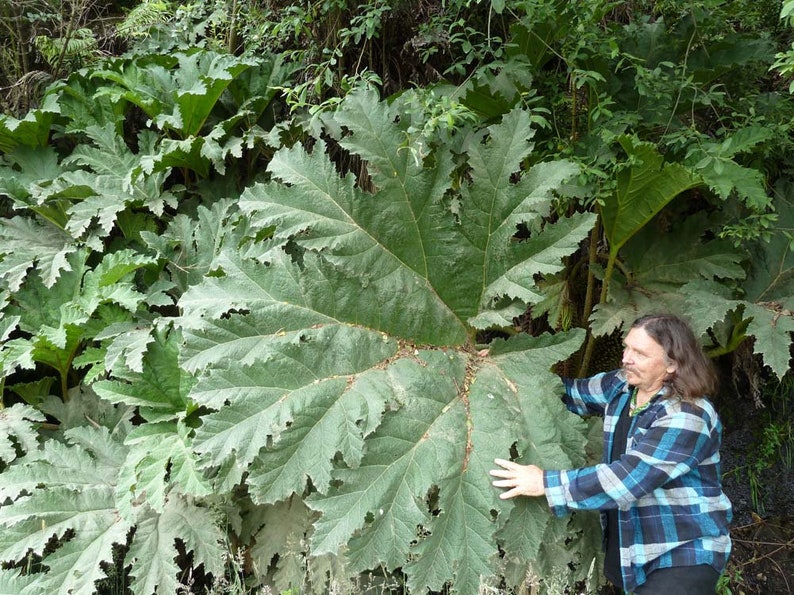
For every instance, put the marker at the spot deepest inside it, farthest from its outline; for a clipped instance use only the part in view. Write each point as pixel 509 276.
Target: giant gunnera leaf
pixel 340 363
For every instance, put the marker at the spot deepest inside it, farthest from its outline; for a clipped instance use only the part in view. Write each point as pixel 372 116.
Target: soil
pixel 763 557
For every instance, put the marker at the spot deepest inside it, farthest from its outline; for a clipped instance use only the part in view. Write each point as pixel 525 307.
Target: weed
pixel 776 441
pixel 731 576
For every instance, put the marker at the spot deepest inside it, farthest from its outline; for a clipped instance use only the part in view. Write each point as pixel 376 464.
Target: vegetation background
pixel 249 252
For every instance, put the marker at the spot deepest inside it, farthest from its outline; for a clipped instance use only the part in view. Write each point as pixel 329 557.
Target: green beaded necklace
pixel 633 409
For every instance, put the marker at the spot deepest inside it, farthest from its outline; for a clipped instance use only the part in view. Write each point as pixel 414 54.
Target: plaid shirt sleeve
pixel 674 444
pixel 589 396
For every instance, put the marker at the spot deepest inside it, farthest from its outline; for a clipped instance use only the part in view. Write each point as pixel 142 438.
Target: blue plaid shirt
pixel 667 489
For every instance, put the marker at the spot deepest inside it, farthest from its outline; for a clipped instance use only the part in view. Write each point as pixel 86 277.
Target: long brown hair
pixel 695 375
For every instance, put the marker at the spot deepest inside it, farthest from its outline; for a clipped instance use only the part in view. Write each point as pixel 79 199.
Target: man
pixel 664 513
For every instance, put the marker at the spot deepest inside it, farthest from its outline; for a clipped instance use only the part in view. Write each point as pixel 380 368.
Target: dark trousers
pixel 680 580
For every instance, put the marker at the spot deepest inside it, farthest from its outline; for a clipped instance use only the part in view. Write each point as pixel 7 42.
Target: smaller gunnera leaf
pixel 18 431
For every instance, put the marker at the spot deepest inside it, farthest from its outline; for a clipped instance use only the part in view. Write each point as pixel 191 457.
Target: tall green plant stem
pixel 63 373
pixel 738 335
pixel 69 29
pixel 592 256
pixel 574 107
pixel 590 345
pixel 232 43
pixel 64 387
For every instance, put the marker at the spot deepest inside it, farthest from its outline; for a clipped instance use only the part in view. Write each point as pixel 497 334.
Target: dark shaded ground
pixel 762 560
pixel 763 557
pixel 757 411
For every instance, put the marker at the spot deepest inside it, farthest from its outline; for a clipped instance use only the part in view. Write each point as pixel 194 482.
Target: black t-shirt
pixel 612 539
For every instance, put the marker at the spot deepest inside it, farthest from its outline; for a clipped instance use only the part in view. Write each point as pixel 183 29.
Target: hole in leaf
pixel 295 251
pixel 432 501
pixel 230 313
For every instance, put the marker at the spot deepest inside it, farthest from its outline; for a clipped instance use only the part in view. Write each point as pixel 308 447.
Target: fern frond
pixel 79 47
pixel 141 18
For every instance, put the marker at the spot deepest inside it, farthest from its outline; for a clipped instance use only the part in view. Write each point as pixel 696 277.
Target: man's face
pixel 645 362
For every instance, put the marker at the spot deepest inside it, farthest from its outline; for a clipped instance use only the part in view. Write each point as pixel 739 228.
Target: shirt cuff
pixel 555 486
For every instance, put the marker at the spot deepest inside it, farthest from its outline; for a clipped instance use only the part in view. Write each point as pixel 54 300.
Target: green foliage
pixel 143 17
pixel 82 300
pixel 78 49
pixel 660 271
pixel 177 92
pixel 731 576
pixel 644 187
pixel 32 130
pixel 784 61
pixel 42 40
pixel 77 499
pixel 764 313
pixel 54 322
pixel 776 439
pixel 18 431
